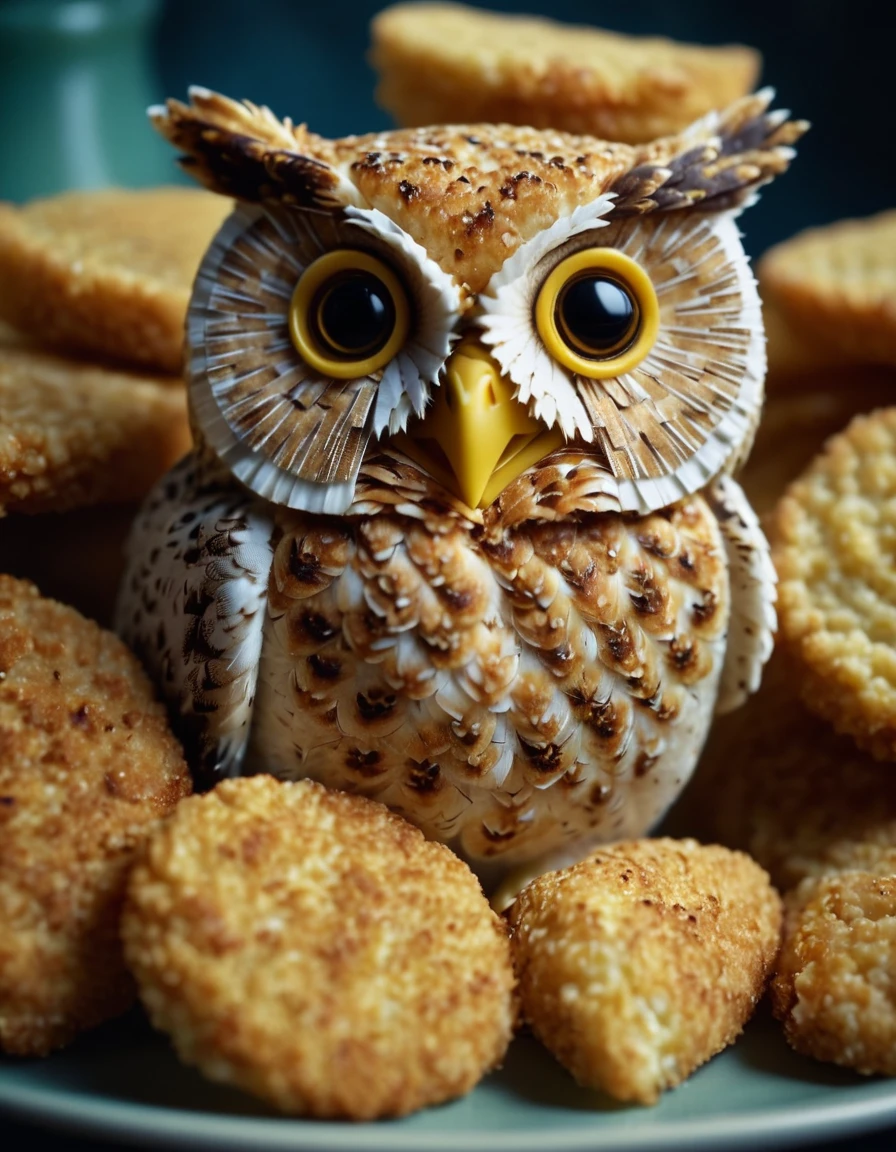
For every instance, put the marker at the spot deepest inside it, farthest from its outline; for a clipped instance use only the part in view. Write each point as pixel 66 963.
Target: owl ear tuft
pixel 243 150
pixel 715 165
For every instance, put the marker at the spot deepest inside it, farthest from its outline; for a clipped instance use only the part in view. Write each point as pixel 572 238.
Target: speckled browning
pixel 313 948
pixel 509 674
pixel 87 767
pixel 644 960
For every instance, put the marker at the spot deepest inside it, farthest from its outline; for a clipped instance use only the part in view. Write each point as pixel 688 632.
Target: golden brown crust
pixel 107 273
pixel 836 286
pixel 311 947
pixel 835 988
pixel 73 433
pixel 87 766
pixel 640 963
pixel 833 545
pixel 449 63
pixel 775 781
pixel 801 411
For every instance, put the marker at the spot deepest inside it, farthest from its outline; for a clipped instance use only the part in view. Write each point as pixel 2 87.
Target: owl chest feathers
pixel 510 690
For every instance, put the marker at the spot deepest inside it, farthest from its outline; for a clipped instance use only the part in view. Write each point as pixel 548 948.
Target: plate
pixel 124 1082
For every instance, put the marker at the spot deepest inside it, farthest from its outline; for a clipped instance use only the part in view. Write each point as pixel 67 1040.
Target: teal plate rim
pixel 91 1091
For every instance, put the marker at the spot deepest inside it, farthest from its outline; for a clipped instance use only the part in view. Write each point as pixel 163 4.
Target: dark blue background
pixel 831 61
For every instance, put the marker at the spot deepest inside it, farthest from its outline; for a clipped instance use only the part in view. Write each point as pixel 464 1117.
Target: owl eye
pixel 349 314
pixel 597 313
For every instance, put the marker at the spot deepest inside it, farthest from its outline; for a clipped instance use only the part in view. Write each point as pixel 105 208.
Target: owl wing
pixel 753 620
pixel 192 606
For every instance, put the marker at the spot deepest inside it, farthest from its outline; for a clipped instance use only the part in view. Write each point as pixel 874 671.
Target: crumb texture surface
pixel 641 962
pixel 312 948
pixel 87 767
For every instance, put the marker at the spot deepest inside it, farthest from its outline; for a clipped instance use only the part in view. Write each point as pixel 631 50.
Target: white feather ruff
pixel 753 620
pixel 684 414
pixel 247 380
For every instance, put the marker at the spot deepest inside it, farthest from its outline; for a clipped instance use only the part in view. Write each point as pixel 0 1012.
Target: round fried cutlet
pixel 641 962
pixel 74 434
pixel 797 420
pixel 87 767
pixel 313 948
pixel 777 782
pixel 837 286
pixel 107 272
pixel 447 63
pixel 834 546
pixel 835 987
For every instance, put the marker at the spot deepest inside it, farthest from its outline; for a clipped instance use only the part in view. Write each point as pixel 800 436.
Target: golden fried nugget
pixel 447 63
pixel 313 948
pixel 107 272
pixel 644 960
pixel 73 433
pixel 776 782
pixel 835 987
pixel 834 546
pixel 87 767
pixel 836 286
pixel 797 420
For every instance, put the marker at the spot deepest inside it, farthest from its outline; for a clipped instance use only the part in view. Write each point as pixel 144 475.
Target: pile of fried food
pixel 289 939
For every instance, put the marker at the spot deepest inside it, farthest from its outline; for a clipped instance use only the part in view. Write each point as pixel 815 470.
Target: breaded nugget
pixel 447 63
pixel 73 433
pixel 834 546
pixel 775 781
pixel 798 418
pixel 641 962
pixel 107 272
pixel 835 988
pixel 313 948
pixel 837 286
pixel 87 767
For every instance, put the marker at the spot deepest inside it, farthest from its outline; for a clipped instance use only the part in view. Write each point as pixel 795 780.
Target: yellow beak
pixel 476 438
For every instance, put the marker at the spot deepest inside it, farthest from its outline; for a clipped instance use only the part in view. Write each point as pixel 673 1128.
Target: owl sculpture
pixel 460 531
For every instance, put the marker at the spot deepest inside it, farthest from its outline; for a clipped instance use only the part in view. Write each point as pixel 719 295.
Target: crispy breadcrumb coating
pixel 87 767
pixel 641 962
pixel 313 948
pixel 835 988
pixel 107 272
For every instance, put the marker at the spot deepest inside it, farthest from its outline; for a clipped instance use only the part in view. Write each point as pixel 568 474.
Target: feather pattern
pixel 286 431
pixel 669 425
pixel 192 605
pixel 753 623
pixel 715 165
pixel 244 151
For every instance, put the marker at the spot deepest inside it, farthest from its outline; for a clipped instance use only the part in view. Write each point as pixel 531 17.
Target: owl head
pixel 476 299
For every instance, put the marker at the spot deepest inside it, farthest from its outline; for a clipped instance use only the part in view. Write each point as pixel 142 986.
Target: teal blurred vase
pixel 75 82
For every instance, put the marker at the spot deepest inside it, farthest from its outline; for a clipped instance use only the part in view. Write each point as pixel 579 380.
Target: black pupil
pixel 355 314
pixel 598 314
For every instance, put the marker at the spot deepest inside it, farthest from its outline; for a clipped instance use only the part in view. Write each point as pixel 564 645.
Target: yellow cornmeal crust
pixel 87 767
pixel 835 986
pixel 799 416
pixel 775 781
pixel 837 286
pixel 74 433
pixel 107 273
pixel 834 546
pixel 448 63
pixel 313 948
pixel 644 960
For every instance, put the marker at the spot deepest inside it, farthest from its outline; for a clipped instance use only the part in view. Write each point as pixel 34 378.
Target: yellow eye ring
pixel 306 308
pixel 627 276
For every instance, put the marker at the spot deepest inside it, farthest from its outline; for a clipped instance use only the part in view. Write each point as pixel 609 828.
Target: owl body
pixel 459 532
